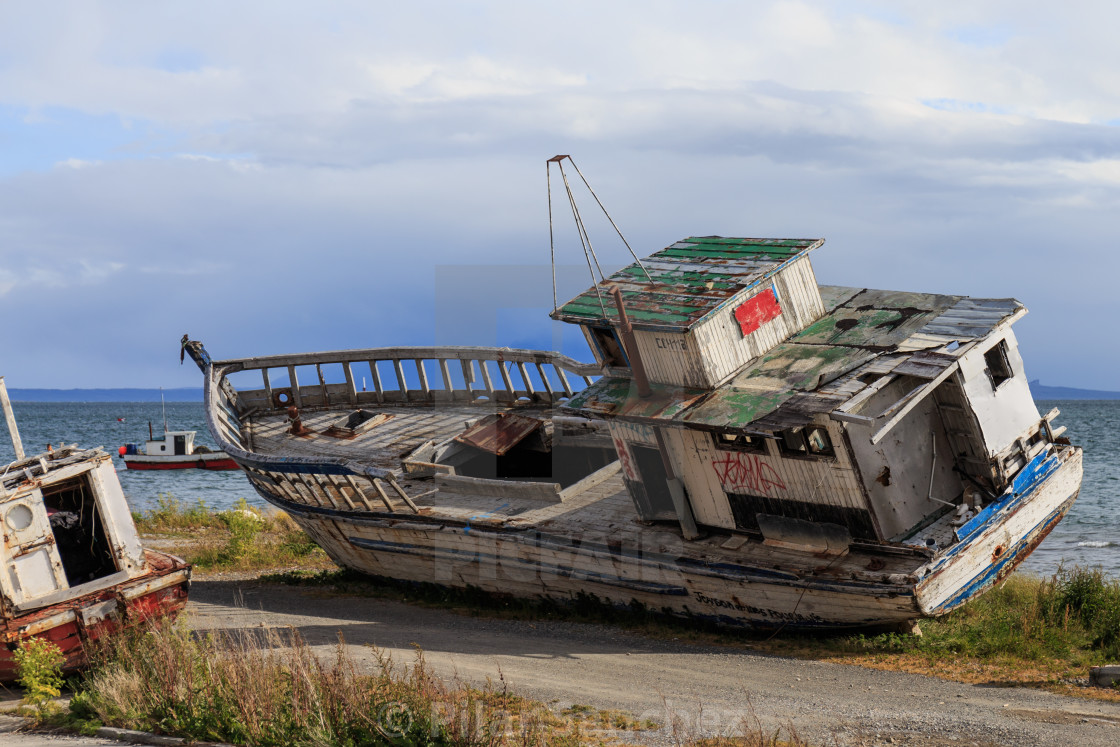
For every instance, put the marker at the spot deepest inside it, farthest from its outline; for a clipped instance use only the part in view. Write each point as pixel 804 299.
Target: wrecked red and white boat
pixel 748 447
pixel 73 566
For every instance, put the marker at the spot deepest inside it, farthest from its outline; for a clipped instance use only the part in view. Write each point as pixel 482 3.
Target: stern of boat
pixel 992 544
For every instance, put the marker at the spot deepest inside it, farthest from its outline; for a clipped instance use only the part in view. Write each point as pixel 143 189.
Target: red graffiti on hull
pixel 746 473
pixel 624 457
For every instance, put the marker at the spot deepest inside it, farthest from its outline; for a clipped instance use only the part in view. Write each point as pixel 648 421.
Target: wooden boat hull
pixel 75 623
pixel 531 564
pixel 508 538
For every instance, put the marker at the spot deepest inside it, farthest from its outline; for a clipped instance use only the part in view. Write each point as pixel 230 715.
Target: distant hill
pixel 1040 391
pixel 185 394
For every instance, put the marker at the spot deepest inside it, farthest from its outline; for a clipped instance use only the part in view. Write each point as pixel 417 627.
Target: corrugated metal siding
pixel 970 318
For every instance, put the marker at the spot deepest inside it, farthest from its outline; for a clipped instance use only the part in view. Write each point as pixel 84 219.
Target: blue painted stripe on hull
pixel 1001 568
pixel 1029 479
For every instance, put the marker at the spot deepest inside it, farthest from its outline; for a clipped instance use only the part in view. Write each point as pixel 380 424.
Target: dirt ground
pixel 710 688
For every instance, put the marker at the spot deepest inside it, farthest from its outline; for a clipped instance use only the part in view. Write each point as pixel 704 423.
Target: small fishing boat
pixel 748 447
pixel 173 450
pixel 73 568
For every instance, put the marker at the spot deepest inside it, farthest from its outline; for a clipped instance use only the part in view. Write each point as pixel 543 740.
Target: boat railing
pixel 404 375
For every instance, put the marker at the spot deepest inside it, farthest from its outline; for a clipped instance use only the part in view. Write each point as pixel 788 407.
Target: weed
pixel 242 538
pixel 39 672
pixel 271 689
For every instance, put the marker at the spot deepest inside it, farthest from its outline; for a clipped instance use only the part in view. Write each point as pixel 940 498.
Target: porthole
pixel 19 517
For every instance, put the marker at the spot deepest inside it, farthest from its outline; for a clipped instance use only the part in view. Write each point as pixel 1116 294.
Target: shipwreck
pixel 747 447
pixel 74 569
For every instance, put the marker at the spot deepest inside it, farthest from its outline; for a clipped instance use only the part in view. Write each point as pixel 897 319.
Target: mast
pixel 162 402
pixel 10 416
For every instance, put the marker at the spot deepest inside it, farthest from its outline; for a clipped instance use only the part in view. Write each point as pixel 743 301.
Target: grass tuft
pixel 242 538
pixel 271 688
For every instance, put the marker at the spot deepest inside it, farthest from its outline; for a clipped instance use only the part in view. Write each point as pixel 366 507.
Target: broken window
pixel 740 442
pixel 78 532
pixel 998 366
pixel 609 347
pixel 813 441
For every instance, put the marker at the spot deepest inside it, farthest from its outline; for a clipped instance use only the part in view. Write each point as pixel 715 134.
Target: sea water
pixel 113 424
pixel 1089 535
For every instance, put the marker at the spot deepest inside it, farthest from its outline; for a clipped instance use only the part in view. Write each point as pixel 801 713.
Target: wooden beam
pixel 351 389
pixel 17 442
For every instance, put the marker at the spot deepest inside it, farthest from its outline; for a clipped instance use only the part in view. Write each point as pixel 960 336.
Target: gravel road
pixel 711 688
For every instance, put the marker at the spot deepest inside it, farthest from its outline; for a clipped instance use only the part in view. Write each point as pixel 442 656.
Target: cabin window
pixel 740 442
pixel 610 347
pixel 998 366
pixel 813 441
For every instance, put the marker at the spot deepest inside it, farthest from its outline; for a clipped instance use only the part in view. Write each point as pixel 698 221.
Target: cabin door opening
pixel 651 496
pixel 180 445
pixel 78 532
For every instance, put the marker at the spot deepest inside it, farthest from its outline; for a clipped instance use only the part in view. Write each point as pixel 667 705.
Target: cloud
pixel 276 177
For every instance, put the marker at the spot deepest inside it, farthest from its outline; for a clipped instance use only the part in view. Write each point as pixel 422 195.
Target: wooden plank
pixel 323 384
pixel 293 383
pixel 301 480
pixel 351 388
pixel 525 378
pixel 400 379
pixel 318 485
pixel 338 489
pixel 419 363
pixel 564 381
pixel 896 413
pixel 446 373
pixel 267 386
pixel 359 492
pixel 482 364
pixel 376 381
pixel 453 352
pixel 381 492
pixel 544 378
pixel 506 379
pixel 402 494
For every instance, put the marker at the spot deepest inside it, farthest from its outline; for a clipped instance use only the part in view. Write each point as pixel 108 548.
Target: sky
pixel 277 177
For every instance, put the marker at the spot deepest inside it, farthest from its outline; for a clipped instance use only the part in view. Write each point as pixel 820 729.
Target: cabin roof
pixel 863 335
pixel 677 287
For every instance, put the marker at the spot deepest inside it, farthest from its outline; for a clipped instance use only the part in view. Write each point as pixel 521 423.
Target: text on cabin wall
pixel 740 473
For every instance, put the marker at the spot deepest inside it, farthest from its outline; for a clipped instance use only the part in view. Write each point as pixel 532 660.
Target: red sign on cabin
pixel 757 311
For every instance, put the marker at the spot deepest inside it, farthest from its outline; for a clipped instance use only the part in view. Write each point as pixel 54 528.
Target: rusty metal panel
pixel 500 432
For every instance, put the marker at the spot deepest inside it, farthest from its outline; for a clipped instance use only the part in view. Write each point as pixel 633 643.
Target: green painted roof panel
pixel 677 287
